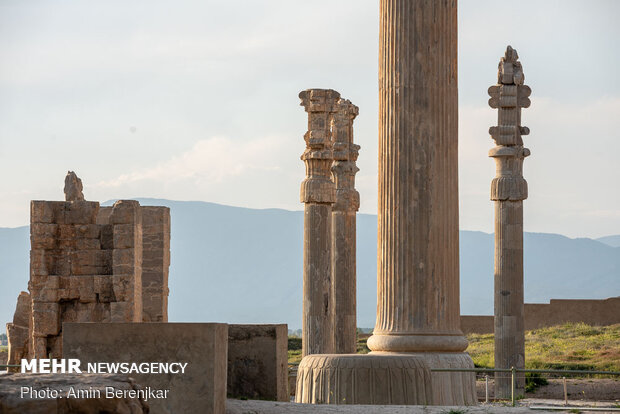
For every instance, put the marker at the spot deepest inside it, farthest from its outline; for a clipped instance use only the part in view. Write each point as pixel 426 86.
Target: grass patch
pixel 4 348
pixel 533 380
pixel 569 346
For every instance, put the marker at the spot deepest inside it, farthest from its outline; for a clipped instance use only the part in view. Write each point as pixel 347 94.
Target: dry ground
pixel 580 389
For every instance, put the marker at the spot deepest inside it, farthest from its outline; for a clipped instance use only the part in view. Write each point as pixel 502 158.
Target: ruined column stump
pixel 364 379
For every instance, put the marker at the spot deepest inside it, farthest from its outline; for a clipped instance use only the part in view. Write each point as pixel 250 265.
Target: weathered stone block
pixel 41 212
pixel 123 261
pixel 81 212
pixel 39 262
pixel 12 402
pixel 258 362
pixel 200 389
pixel 124 236
pixel 46 320
pixel 107 236
pixel 125 212
pixel 87 244
pixel 103 218
pixel 121 312
pixel 43 235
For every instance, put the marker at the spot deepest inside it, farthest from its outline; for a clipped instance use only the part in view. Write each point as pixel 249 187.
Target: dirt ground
pixel 577 389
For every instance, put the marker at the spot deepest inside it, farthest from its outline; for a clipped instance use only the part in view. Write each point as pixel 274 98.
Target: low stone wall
pixel 258 362
pixel 202 386
pixel 599 312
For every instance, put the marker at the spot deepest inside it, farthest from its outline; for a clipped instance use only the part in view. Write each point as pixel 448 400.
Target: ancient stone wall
pixel 86 265
pixel 556 312
pixel 155 263
pixel 81 271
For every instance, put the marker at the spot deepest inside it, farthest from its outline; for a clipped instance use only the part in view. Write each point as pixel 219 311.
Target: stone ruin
pixel 418 323
pixel 508 190
pixel 331 203
pixel 90 264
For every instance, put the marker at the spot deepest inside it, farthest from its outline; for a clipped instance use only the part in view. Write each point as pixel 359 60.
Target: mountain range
pixel 241 265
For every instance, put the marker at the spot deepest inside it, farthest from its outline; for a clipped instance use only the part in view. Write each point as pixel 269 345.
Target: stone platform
pixel 270 407
pixel 364 379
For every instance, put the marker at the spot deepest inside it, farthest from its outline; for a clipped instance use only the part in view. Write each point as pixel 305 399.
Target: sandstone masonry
pixel 86 265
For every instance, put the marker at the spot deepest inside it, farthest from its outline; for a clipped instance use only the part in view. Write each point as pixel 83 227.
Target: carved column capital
pixel 508 96
pixel 320 104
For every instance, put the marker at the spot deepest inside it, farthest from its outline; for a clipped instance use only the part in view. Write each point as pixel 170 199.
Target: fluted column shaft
pixel 318 195
pixel 418 262
pixel 343 229
pixel 509 308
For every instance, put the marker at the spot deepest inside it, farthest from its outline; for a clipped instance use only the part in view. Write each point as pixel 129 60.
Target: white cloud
pixel 211 160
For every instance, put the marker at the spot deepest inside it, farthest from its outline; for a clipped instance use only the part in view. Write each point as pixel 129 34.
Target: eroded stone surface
pixel 73 187
pixel 343 229
pixel 86 265
pixel 258 362
pixel 203 346
pixel 364 379
pixel 318 193
pixel 12 402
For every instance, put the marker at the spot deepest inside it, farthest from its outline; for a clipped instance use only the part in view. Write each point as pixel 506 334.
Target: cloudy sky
pixel 197 100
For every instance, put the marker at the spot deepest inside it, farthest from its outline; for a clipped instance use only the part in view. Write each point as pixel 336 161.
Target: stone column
pixel 318 195
pixel 343 229
pixel 508 190
pixel 418 253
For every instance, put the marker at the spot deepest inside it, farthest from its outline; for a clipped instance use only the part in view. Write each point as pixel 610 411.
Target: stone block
pixel 21 317
pixel 123 261
pixel 124 236
pixel 258 362
pixel 88 244
pixel 47 212
pixel 103 217
pixel 17 337
pixel 46 318
pixel 121 312
pixel 43 235
pixel 12 402
pixel 125 212
pixel 88 231
pixel 107 236
pixel 203 346
pixel 40 262
pixel 91 262
pixel 81 212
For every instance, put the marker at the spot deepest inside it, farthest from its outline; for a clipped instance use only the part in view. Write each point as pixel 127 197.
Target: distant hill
pixel 613 241
pixel 233 264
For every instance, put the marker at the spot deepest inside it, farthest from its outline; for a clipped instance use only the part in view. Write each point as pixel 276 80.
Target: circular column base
pixel 376 379
pixel 449 388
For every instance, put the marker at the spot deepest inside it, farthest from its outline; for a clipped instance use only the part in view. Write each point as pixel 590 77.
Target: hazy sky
pixel 197 100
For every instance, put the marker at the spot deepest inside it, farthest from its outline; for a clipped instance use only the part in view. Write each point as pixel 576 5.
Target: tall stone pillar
pixel 318 194
pixel 508 190
pixel 343 228
pixel 418 253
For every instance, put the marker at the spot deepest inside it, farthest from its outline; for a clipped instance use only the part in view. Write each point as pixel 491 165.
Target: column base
pixel 449 388
pixel 374 379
